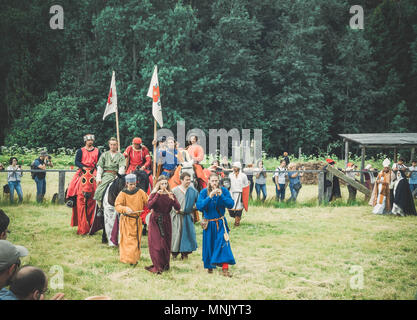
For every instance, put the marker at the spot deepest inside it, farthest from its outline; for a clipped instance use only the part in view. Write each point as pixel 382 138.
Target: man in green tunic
pixel 109 165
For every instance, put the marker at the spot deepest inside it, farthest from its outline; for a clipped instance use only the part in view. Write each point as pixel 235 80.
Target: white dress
pixel 236 186
pixel 380 207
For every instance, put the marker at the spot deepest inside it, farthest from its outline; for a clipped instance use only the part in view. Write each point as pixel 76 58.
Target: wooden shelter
pixel 381 141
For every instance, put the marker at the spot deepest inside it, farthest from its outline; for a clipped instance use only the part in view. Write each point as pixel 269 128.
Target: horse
pixel 84 209
pixel 112 191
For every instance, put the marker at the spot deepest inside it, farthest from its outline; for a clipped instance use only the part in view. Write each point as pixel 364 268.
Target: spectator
pixel 226 165
pixel 1 167
pixel 368 177
pixel 279 180
pixel 9 265
pixel 295 182
pixel 286 159
pixel 352 191
pixel 249 173
pixel 40 177
pixel 31 283
pixel 413 178
pixel 13 179
pixel 260 183
pixel 4 224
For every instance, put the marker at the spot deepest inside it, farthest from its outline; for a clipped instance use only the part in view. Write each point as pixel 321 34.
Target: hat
pixel 43 154
pixel 9 254
pixel 350 164
pixel 130 178
pixel 369 166
pixel 386 163
pixel 237 165
pixel 330 160
pixel 89 137
pixel 137 140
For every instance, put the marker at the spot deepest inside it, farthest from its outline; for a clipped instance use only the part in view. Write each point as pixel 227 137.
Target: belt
pixel 166 170
pixel 217 221
pixel 112 171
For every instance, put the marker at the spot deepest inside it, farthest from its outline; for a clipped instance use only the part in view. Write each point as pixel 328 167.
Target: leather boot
pixel 226 273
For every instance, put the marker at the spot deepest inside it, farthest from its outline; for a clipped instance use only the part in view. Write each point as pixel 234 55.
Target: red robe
pixel 89 160
pixel 138 159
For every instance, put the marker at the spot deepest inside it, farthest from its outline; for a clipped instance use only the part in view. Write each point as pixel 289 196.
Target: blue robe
pixel 170 161
pixel 188 238
pixel 215 248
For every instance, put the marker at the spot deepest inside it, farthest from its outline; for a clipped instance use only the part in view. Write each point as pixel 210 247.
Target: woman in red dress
pixel 161 201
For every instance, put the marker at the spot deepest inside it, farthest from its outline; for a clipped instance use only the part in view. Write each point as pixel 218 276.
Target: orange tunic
pixel 130 225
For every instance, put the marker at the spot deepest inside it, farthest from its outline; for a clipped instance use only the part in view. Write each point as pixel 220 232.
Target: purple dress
pixel 160 230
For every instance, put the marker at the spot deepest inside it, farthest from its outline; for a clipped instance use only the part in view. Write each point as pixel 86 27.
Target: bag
pixel 297 186
pixel 32 167
pixel 6 188
pixel 196 216
pixel 204 224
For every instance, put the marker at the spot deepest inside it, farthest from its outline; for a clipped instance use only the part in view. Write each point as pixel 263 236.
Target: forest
pixel 293 68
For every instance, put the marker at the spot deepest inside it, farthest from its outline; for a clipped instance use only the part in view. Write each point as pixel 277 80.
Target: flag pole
pixel 154 150
pixel 117 128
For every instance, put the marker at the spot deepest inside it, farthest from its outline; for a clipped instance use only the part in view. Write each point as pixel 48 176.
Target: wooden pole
pixel 117 129
pixel 321 187
pixel 154 151
pixel 395 155
pixel 61 187
pixel 299 153
pixel 413 151
pixel 346 153
pixel 362 164
pixel 350 181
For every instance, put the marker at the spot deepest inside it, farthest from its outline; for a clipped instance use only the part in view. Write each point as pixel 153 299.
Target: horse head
pixel 87 183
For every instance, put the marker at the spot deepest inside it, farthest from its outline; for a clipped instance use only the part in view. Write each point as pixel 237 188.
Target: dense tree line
pixel 293 68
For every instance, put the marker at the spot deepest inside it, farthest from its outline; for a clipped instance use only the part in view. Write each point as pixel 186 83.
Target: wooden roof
pixel 383 140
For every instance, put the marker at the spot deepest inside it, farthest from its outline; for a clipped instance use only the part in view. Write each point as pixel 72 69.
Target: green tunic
pixel 107 162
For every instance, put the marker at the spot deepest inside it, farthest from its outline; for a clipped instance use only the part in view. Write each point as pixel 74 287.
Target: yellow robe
pixel 130 226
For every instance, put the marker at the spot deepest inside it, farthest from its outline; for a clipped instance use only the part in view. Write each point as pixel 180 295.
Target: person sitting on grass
pixel 31 283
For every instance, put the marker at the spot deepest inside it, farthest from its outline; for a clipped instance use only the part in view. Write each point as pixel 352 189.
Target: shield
pixel 245 197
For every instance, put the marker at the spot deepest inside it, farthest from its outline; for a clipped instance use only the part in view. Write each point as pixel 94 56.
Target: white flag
pixel 111 105
pixel 153 93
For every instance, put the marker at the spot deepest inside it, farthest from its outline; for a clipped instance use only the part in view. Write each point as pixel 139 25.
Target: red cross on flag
pixel 153 93
pixel 111 105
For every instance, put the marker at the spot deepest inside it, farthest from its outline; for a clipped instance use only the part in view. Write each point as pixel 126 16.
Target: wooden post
pixel 299 153
pixel 117 129
pixel 154 151
pixel 362 164
pixel 321 187
pixel 413 151
pixel 395 155
pixel 346 152
pixel 350 181
pixel 61 187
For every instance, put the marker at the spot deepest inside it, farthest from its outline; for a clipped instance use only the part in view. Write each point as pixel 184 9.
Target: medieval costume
pixel 108 166
pixel 170 161
pixel 196 152
pixel 403 203
pixel 381 198
pixel 160 230
pixel 137 157
pixel 237 184
pixel 130 224
pixel 216 245
pixel 84 158
pixel 183 232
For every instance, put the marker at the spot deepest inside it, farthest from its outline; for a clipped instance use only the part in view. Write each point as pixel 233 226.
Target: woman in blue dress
pixel 213 201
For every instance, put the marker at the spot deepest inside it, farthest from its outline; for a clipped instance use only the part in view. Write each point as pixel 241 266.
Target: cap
pixel 137 140
pixel 350 164
pixel 328 160
pixel 89 137
pixel 9 254
pixel 237 165
pixel 369 166
pixel 130 178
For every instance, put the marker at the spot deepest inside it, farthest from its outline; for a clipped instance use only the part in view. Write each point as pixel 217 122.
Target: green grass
pixel 292 253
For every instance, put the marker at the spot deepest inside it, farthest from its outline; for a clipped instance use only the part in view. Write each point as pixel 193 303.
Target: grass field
pixel 295 253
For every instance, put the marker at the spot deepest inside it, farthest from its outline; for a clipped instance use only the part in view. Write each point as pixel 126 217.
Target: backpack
pixel 32 167
pixel 6 189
